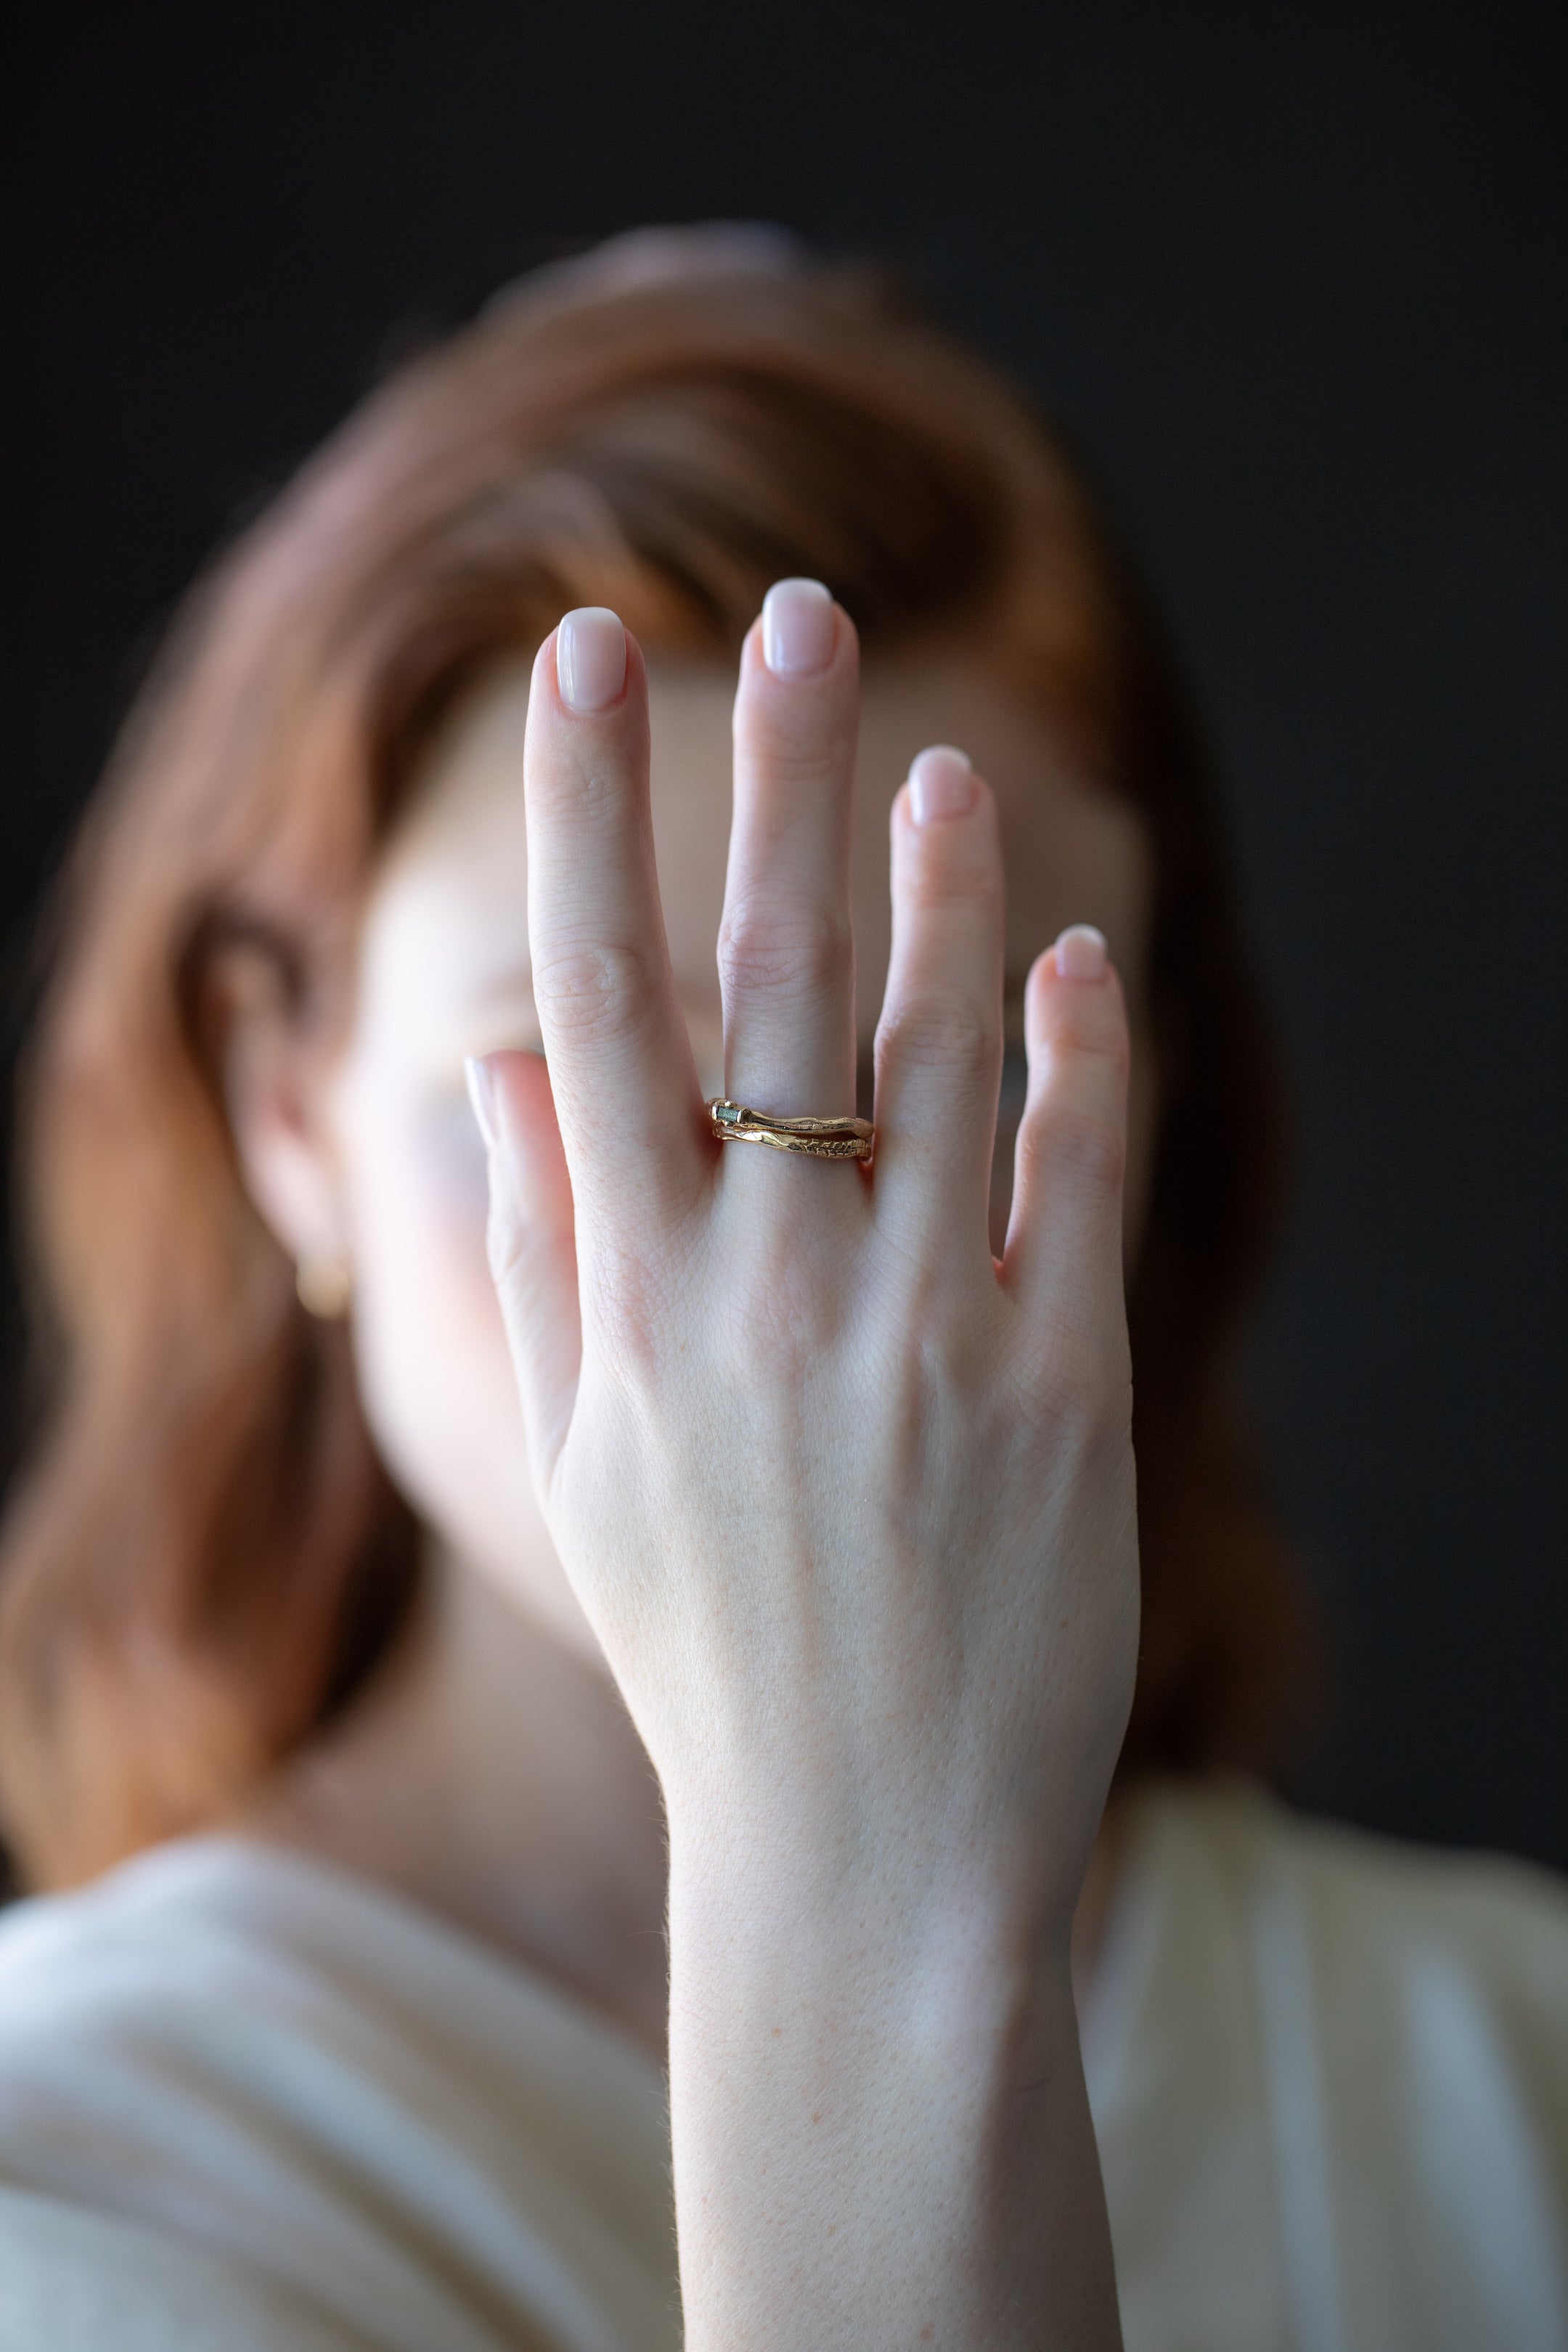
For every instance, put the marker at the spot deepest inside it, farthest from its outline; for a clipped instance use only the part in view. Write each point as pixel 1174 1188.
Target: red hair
pixel 206 1557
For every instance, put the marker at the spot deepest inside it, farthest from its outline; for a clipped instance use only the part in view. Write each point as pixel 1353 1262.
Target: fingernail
pixel 941 784
pixel 1081 953
pixel 482 1095
pixel 590 658
pixel 798 628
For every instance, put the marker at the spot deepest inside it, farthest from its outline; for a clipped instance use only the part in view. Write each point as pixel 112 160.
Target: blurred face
pixel 445 973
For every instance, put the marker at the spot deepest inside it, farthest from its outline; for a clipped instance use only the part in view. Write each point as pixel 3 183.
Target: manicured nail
pixel 590 658
pixel 482 1095
pixel 941 784
pixel 1081 953
pixel 798 628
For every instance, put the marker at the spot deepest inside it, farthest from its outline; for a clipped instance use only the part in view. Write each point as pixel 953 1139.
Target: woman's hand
pixel 849 1502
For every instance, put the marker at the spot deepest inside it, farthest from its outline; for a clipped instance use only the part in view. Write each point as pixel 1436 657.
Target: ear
pixel 274 1097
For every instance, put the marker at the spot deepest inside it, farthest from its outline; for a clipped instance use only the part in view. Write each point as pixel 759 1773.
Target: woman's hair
pixel 205 1559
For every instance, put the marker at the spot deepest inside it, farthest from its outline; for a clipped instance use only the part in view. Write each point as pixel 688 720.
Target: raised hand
pixel 849 1502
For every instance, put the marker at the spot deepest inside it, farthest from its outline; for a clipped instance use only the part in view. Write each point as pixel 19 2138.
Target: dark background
pixel 1292 279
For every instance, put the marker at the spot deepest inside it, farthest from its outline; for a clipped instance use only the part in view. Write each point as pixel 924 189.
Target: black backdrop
pixel 1291 276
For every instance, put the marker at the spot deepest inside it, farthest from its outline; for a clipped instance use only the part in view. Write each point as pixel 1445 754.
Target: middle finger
pixel 786 960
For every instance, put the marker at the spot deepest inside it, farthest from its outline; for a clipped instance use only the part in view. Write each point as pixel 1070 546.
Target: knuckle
pixel 805 949
pixel 585 782
pixel 627 1302
pixel 933 885
pixel 1083 1383
pixel 634 1282
pixel 1061 1145
pixel 798 739
pixel 594 993
pixel 941 1031
pixel 519 1272
pixel 778 1318
pixel 796 752
pixel 628 1328
pixel 1070 1373
pixel 506 1255
pixel 1095 1036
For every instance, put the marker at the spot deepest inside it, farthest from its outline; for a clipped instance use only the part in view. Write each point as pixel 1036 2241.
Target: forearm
pixel 881 2135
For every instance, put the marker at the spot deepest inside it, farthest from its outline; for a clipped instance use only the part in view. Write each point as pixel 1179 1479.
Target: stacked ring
pixel 818 1139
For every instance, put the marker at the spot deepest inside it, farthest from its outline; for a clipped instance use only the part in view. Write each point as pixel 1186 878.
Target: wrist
pixel 885 2108
pixel 958 1975
pixel 929 1892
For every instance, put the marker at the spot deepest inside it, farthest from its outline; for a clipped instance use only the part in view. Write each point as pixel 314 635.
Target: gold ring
pixel 819 1138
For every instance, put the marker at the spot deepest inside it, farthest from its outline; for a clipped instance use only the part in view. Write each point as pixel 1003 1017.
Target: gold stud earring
pixel 324 1287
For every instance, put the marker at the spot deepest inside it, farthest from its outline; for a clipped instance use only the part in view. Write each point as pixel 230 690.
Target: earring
pixel 324 1287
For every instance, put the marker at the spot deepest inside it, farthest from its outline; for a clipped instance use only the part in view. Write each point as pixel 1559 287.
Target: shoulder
pixel 76 2281
pixel 1446 1959
pixel 1331 2071
pixel 157 2031
pixel 1375 1909
pixel 253 2060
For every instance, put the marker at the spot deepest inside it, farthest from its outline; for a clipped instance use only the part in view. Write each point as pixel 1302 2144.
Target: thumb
pixel 533 1245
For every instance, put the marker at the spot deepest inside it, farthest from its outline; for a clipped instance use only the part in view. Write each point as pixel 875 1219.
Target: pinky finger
pixel 533 1245
pixel 1063 1257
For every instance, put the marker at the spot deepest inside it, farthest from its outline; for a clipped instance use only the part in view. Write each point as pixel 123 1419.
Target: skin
pixel 662 1662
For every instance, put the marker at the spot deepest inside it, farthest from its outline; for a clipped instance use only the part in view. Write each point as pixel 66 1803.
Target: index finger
pixel 620 1061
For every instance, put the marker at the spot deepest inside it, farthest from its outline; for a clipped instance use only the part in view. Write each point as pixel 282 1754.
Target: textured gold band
pixel 818 1139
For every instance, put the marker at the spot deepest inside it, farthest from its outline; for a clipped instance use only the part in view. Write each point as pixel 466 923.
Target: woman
pixel 383 1730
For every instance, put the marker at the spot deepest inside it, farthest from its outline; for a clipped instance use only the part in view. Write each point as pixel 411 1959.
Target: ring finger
pixel 939 1042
